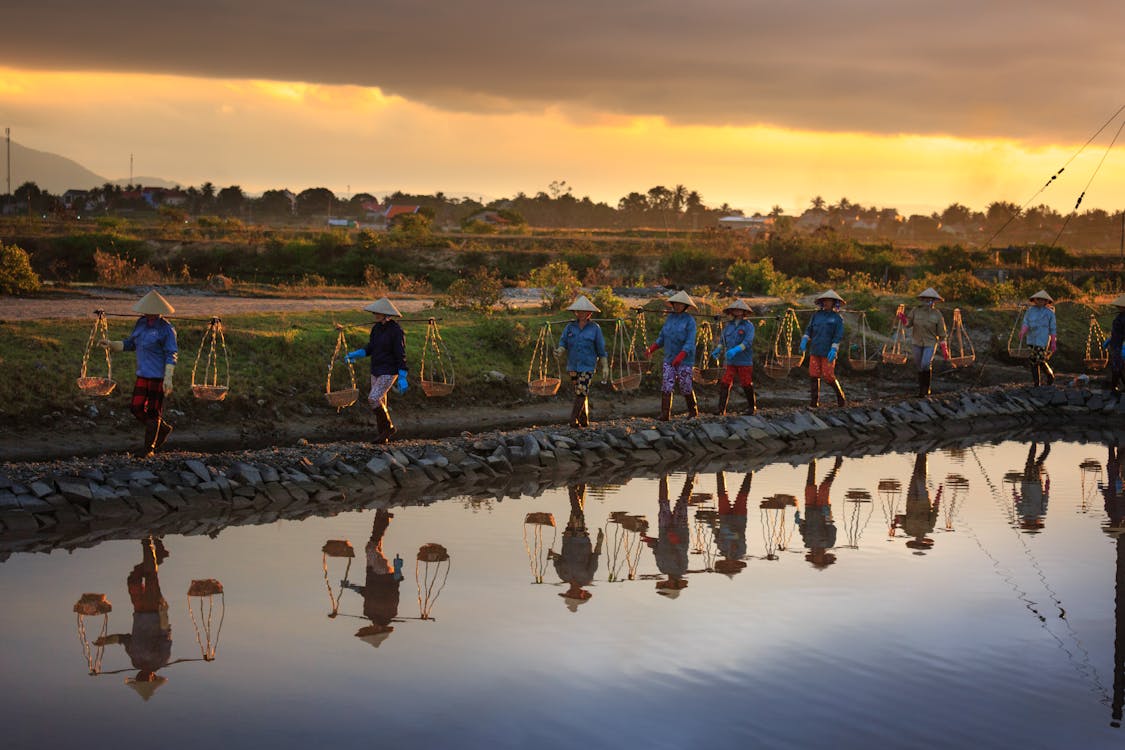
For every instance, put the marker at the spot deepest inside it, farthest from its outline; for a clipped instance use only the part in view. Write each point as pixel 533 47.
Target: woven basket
pixel 205 587
pixel 792 360
pixel 1095 364
pixel 637 366
pixel 627 382
pixel 93 604
pixel 96 386
pixel 540 519
pixel 1019 352
pixel 544 386
pixel 962 361
pixel 705 376
pixel 210 392
pixel 432 553
pixel 890 358
pixel 775 370
pixel 338 548
pixel 436 388
pixel 862 365
pixel 342 399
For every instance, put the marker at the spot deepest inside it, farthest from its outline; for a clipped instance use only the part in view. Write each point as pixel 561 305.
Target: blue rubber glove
pixel 733 351
pixel 833 352
pixel 398 568
pixel 1105 345
pixel 402 385
pixel 1123 350
pixel 715 352
pixel 357 354
pixel 804 343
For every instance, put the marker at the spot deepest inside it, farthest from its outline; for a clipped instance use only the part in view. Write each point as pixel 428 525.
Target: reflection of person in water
pixel 577 564
pixel 1034 489
pixel 730 537
pixel 670 548
pixel 1112 489
pixel 818 530
pixel 920 517
pixel 149 645
pixel 1114 495
pixel 380 588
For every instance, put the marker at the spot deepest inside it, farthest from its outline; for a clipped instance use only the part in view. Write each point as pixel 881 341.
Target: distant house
pixel 756 224
pixel 488 216
pixel 375 212
pixel 156 197
pixel 75 200
pixel 812 220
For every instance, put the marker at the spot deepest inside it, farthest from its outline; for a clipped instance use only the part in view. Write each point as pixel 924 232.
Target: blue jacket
pixel 737 332
pixel 678 335
pixel 387 348
pixel 1040 322
pixel 1117 333
pixel 583 346
pixel 155 346
pixel 825 329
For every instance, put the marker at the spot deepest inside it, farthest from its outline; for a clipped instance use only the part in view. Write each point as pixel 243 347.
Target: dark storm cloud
pixel 1038 70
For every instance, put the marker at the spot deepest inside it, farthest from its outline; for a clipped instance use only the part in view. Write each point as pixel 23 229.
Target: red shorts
pixel 820 367
pixel 744 373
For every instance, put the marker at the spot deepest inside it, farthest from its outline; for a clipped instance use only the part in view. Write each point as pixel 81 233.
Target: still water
pixel 965 596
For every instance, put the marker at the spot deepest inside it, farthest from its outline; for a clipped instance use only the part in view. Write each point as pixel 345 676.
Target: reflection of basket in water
pixel 775 370
pixel 627 382
pixel 705 375
pixel 894 358
pixel 210 392
pixel 432 552
pixel 205 587
pixel 540 518
pixel 96 386
pixel 338 548
pixel 93 604
pixel 436 388
pixel 544 386
pixel 341 399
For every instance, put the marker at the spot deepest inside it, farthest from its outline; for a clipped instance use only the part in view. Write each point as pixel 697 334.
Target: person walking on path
pixel 1041 334
pixel 583 344
pixel 1116 346
pixel 736 341
pixel 822 339
pixel 154 340
pixel 677 336
pixel 928 332
pixel 387 349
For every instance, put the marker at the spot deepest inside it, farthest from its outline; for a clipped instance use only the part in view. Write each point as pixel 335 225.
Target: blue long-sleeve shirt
pixel 678 335
pixel 1040 322
pixel 387 348
pixel 737 332
pixel 825 329
pixel 155 346
pixel 583 346
pixel 1117 334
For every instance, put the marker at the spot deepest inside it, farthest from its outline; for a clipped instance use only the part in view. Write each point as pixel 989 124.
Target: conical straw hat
pixel 737 305
pixel 830 294
pixel 1042 294
pixel 931 293
pixel 153 304
pixel 146 689
pixel 583 305
pixel 384 307
pixel 683 298
pixel 1119 302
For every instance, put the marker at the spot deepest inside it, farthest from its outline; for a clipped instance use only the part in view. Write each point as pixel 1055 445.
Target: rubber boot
pixel 751 400
pixel 724 397
pixel 1036 378
pixel 840 400
pixel 924 383
pixel 665 407
pixel 814 392
pixel 1049 373
pixel 386 428
pixel 162 433
pixel 151 427
pixel 585 414
pixel 692 405
pixel 576 412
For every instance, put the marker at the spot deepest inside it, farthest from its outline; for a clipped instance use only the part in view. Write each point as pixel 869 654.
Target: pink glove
pixel 1052 344
pixel 678 359
pixel 1023 332
pixel 944 349
pixel 650 350
pixel 903 319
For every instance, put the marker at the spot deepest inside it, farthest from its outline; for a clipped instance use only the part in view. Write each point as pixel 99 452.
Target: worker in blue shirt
pixel 1116 346
pixel 822 340
pixel 154 340
pixel 387 349
pixel 583 345
pixel 677 336
pixel 736 344
pixel 1041 334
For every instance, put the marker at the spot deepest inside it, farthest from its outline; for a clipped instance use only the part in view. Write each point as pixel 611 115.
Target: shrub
pixel 480 291
pixel 558 282
pixel 499 334
pixel 476 226
pixel 760 277
pixel 16 276
pixel 687 265
pixel 118 271
pixel 411 225
pixel 957 285
pixel 610 304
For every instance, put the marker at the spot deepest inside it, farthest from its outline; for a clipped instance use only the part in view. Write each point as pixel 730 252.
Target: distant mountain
pixel 57 174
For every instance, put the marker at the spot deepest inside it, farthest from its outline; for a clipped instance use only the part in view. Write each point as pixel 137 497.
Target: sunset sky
pixel 897 103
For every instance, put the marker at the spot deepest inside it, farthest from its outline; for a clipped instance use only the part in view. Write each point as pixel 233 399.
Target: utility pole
pixel 130 170
pixel 8 161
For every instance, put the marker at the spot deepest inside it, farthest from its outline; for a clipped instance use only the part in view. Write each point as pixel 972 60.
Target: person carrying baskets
pixel 387 349
pixel 928 332
pixel 1116 346
pixel 1041 334
pixel 822 340
pixel 154 340
pixel 736 341
pixel 583 344
pixel 677 336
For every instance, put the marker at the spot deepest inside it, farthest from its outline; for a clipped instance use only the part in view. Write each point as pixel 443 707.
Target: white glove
pixel 605 369
pixel 168 370
pixel 560 352
pixel 115 346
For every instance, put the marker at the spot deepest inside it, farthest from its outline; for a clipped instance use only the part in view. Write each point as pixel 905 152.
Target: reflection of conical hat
pixel 1042 294
pixel 730 567
pixel 1119 302
pixel 374 634
pixel 830 294
pixel 146 689
pixel 683 298
pixel 384 307
pixel 931 293
pixel 153 304
pixel 737 305
pixel 572 601
pixel 583 305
